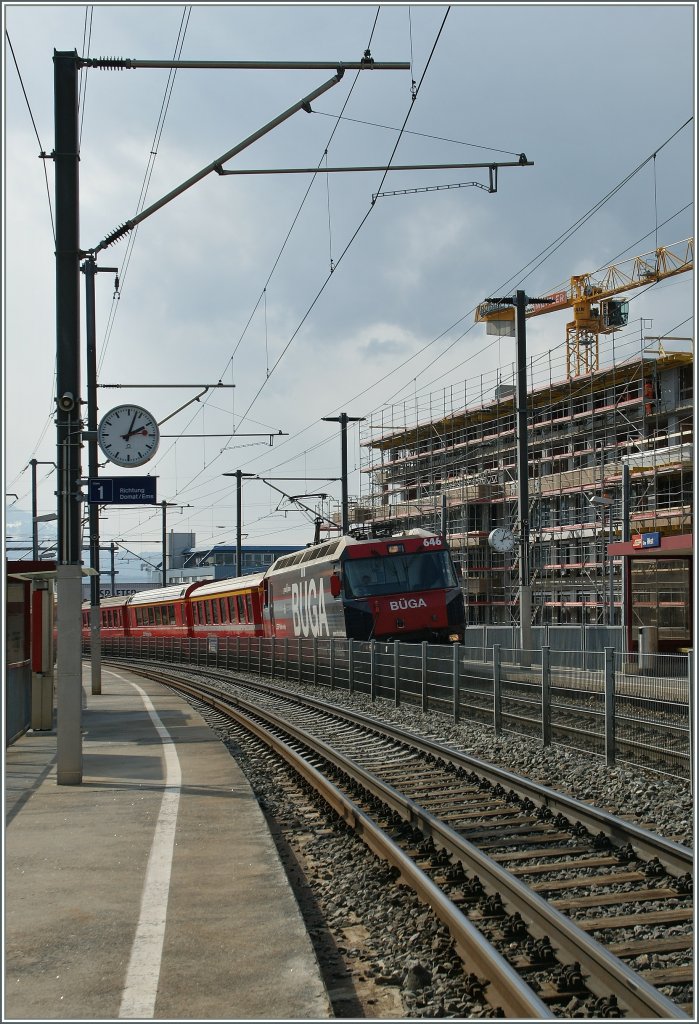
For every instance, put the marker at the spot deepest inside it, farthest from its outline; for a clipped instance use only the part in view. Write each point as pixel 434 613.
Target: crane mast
pixel 593 299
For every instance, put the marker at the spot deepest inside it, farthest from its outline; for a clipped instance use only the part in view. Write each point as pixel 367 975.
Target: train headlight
pixel 454 638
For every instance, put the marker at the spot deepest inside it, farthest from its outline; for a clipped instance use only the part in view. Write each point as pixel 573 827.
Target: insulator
pixel 112 63
pixel 116 235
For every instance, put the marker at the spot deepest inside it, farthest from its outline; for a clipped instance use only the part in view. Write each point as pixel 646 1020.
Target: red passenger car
pixel 231 607
pixel 163 612
pixel 113 619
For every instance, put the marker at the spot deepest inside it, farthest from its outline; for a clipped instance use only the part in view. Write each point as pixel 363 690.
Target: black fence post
pixel 609 719
pixel 546 696
pixel 497 694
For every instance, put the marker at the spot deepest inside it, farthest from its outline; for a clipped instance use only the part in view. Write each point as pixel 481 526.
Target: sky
pixel 313 294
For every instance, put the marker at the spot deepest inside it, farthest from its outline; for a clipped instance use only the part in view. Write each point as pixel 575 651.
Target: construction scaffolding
pixel 450 457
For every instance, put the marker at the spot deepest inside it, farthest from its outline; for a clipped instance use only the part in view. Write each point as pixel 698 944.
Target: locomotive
pixel 403 587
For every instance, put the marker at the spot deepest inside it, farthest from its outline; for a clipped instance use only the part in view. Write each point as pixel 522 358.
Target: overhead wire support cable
pixel 522 162
pixel 216 165
pixel 129 64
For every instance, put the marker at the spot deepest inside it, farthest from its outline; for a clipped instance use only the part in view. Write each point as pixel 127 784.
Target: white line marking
pixel 143 972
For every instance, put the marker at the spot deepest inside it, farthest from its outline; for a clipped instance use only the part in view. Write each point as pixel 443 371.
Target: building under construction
pixel 610 462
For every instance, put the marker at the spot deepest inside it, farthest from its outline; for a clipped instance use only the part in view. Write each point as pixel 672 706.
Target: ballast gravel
pixel 659 803
pixel 406 951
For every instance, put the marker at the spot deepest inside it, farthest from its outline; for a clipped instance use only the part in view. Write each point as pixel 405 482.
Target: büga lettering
pixel 405 602
pixel 308 608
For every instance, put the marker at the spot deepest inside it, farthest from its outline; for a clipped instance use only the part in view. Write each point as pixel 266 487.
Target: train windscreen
pixel 399 574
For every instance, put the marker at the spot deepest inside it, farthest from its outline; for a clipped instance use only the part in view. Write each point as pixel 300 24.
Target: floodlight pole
pixel 520 301
pixel 343 419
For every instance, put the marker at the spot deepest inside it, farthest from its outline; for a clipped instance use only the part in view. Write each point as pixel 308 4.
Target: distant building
pixel 219 562
pixel 632 420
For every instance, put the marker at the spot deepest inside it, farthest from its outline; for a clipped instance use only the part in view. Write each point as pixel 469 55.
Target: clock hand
pixel 141 430
pixel 130 431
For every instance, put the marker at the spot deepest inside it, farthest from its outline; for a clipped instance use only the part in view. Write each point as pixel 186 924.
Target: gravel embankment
pixel 382 952
pixel 656 802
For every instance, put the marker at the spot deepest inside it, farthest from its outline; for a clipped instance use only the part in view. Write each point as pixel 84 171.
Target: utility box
pixel 647 647
pixel 42 653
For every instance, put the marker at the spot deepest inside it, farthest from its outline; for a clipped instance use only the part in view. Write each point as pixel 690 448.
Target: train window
pixel 408 573
pixel 195 613
pixel 231 609
pixel 241 609
pixel 224 609
pixel 215 610
pixel 158 615
pixel 248 598
pixel 151 616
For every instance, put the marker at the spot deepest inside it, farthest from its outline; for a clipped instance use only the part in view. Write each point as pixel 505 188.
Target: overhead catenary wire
pixel 87 36
pixel 545 253
pixel 268 359
pixel 145 184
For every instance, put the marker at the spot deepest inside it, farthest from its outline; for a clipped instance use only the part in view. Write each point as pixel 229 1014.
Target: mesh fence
pixel 623 707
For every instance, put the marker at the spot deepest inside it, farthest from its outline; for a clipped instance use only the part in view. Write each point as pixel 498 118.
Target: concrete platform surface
pixel 153 889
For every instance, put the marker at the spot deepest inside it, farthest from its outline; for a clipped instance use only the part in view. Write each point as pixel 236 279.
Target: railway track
pixel 546 899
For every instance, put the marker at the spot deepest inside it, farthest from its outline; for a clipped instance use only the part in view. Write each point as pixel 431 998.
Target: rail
pixel 366 762
pixel 609 704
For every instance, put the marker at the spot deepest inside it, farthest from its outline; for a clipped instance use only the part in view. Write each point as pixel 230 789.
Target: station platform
pixel 153 890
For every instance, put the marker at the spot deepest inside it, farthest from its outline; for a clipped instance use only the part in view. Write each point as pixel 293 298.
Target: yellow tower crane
pixel 591 297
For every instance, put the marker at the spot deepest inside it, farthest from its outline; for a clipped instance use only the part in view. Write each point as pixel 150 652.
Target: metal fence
pixel 622 707
pixel 18 707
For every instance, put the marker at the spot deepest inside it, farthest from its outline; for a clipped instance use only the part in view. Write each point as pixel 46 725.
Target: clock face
pixel 501 539
pixel 128 435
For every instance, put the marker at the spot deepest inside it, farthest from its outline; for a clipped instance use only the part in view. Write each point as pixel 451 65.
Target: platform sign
pixel 651 540
pixel 122 490
pixel 647 540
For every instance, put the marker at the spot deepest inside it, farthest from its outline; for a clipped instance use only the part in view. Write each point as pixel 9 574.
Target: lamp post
pixel 238 474
pixel 520 301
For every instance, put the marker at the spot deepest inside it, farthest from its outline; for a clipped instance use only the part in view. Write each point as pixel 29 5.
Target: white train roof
pixel 162 595
pixel 215 588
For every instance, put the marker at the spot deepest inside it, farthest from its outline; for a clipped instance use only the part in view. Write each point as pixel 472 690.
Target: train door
pixel 267 609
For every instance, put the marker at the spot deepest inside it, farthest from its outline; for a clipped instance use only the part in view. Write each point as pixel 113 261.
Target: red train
pixel 397 588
